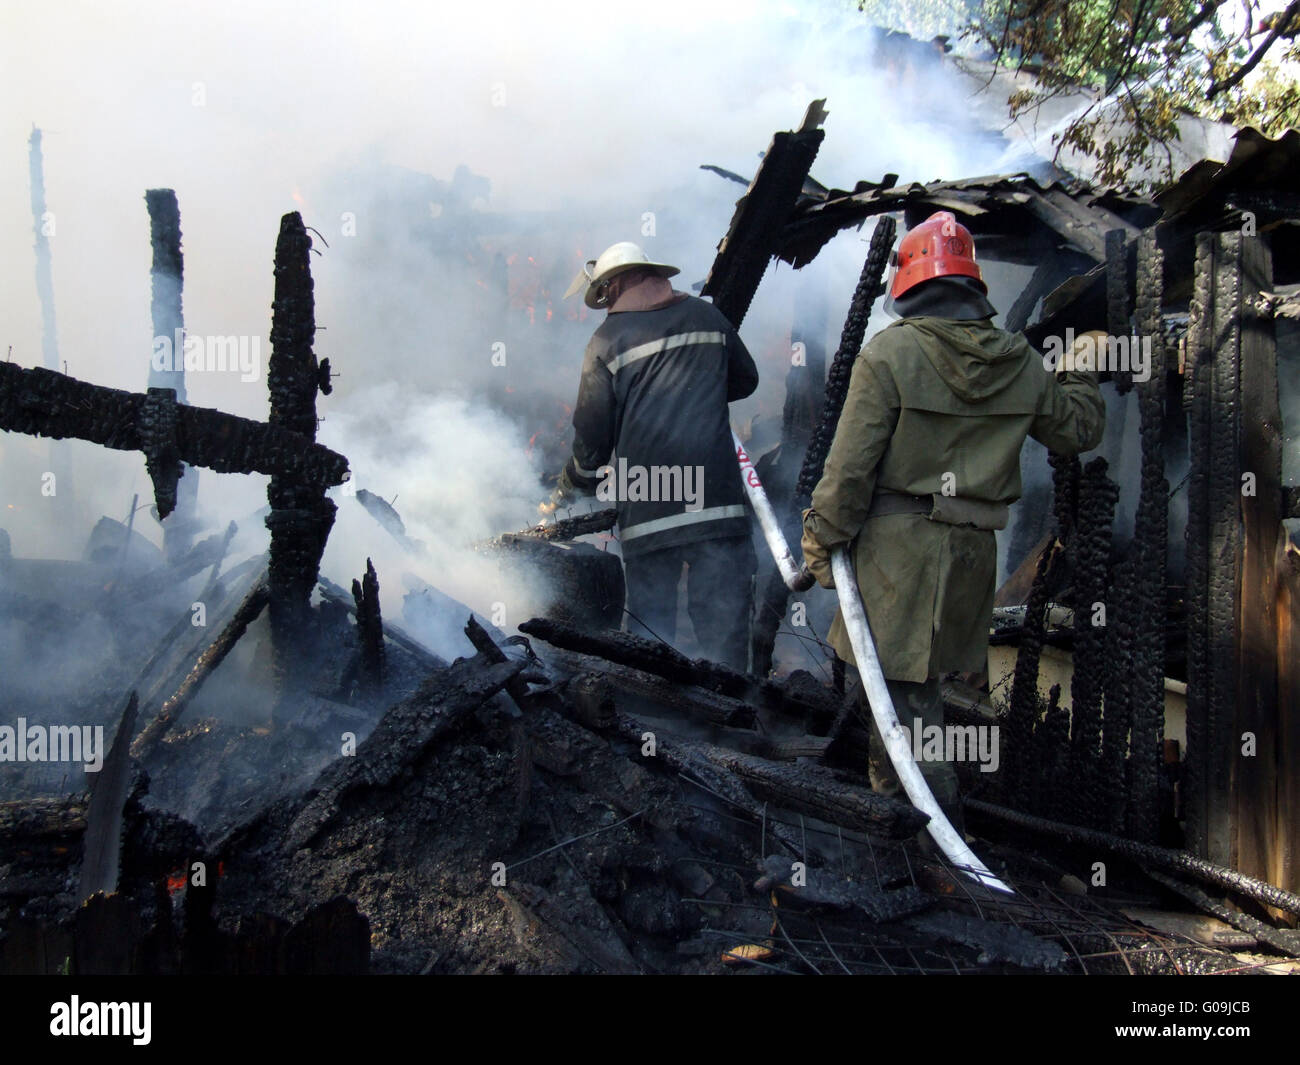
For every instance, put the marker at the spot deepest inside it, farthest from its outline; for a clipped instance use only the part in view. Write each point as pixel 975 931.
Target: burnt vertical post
pixel 1197 380
pixel 301 514
pixel 774 597
pixel 167 363
pixel 1215 546
pixel 1260 822
pixel 370 632
pixel 1145 598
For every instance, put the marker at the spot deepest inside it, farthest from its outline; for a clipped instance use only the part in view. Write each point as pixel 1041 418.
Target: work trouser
pixel 911 701
pixel 719 595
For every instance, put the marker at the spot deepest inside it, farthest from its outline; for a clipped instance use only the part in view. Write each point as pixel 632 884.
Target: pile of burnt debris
pixel 575 799
pixel 571 798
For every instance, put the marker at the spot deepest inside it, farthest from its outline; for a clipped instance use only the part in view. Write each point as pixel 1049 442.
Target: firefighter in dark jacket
pixel 925 460
pixel 656 380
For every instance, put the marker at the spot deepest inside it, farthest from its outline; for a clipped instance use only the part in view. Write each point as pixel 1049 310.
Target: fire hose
pixel 882 710
pixel 797 578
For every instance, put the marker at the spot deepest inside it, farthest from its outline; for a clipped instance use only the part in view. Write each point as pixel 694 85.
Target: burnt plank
pixel 405 731
pixel 108 791
pixel 1256 794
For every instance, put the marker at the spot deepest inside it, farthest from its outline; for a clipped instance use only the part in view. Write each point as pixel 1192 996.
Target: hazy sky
pixel 586 113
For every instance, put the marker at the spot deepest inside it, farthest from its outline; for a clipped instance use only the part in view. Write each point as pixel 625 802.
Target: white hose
pixel 899 750
pixel 796 578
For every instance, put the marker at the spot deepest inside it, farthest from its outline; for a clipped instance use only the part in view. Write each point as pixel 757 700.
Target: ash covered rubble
pixel 569 798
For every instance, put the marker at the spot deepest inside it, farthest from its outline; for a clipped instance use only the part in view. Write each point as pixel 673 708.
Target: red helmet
pixel 939 247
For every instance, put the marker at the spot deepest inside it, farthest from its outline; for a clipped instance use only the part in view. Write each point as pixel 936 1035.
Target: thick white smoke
pixel 574 125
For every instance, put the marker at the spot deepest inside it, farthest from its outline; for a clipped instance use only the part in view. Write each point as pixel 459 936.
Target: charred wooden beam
pixel 103 839
pixel 638 691
pixel 587 587
pixel 664 661
pixel 814 790
pixel 332 593
pixel 405 731
pixel 761 213
pixel 1198 772
pixel 517 688
pixel 40 402
pixel 564 529
pixel 775 595
pixel 1023 715
pixel 171 710
pixel 1144 854
pixel 1285 942
pixel 1118 301
pixel 690 764
pixel 1097 497
pixel 1214 542
pixel 301 515
pixel 1144 596
pixel 174 653
pixel 42 820
pixel 370 631
pixel 167 282
pixel 1266 830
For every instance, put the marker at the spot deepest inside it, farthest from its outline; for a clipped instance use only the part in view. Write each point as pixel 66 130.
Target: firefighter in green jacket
pixel 925 460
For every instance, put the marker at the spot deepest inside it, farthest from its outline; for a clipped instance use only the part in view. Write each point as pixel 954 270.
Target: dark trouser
pixel 719 595
pixel 911 701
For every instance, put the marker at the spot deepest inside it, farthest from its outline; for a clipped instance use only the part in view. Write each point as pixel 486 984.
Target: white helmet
pixel 613 260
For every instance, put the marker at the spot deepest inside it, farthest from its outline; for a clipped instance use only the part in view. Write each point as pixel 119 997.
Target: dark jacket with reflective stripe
pixel 655 388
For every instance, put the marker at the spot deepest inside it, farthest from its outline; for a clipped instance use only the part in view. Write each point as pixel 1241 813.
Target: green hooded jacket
pixel 938 405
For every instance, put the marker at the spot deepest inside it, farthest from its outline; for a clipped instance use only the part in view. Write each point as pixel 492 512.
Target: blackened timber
pixel 569 528
pixel 1023 715
pixel 684 759
pixel 1117 296
pixel 301 515
pixel 166 277
pixel 1223 511
pixel 108 791
pixel 870 285
pixel 1144 598
pixel 775 597
pixel 1284 942
pixel 814 790
pixel 208 661
pixel 1197 400
pixel 1144 854
pixel 659 658
pixel 184 641
pixel 41 402
pixel 760 214
pixel 1097 497
pixel 405 731
pixel 1264 827
pixel 332 593
pixel 483 643
pixel 634 688
pixel 370 631
pixel 167 281
pixel 42 820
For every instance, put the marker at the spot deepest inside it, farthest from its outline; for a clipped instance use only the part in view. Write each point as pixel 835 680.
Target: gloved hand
pixel 565 495
pixel 816 556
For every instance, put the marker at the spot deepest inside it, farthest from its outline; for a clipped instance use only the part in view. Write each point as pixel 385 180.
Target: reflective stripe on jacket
pixel 654 391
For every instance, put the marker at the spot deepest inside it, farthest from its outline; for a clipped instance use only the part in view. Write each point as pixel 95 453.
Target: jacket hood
pixel 976 359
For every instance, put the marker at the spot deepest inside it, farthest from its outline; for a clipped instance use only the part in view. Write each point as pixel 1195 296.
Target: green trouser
pixel 911 701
